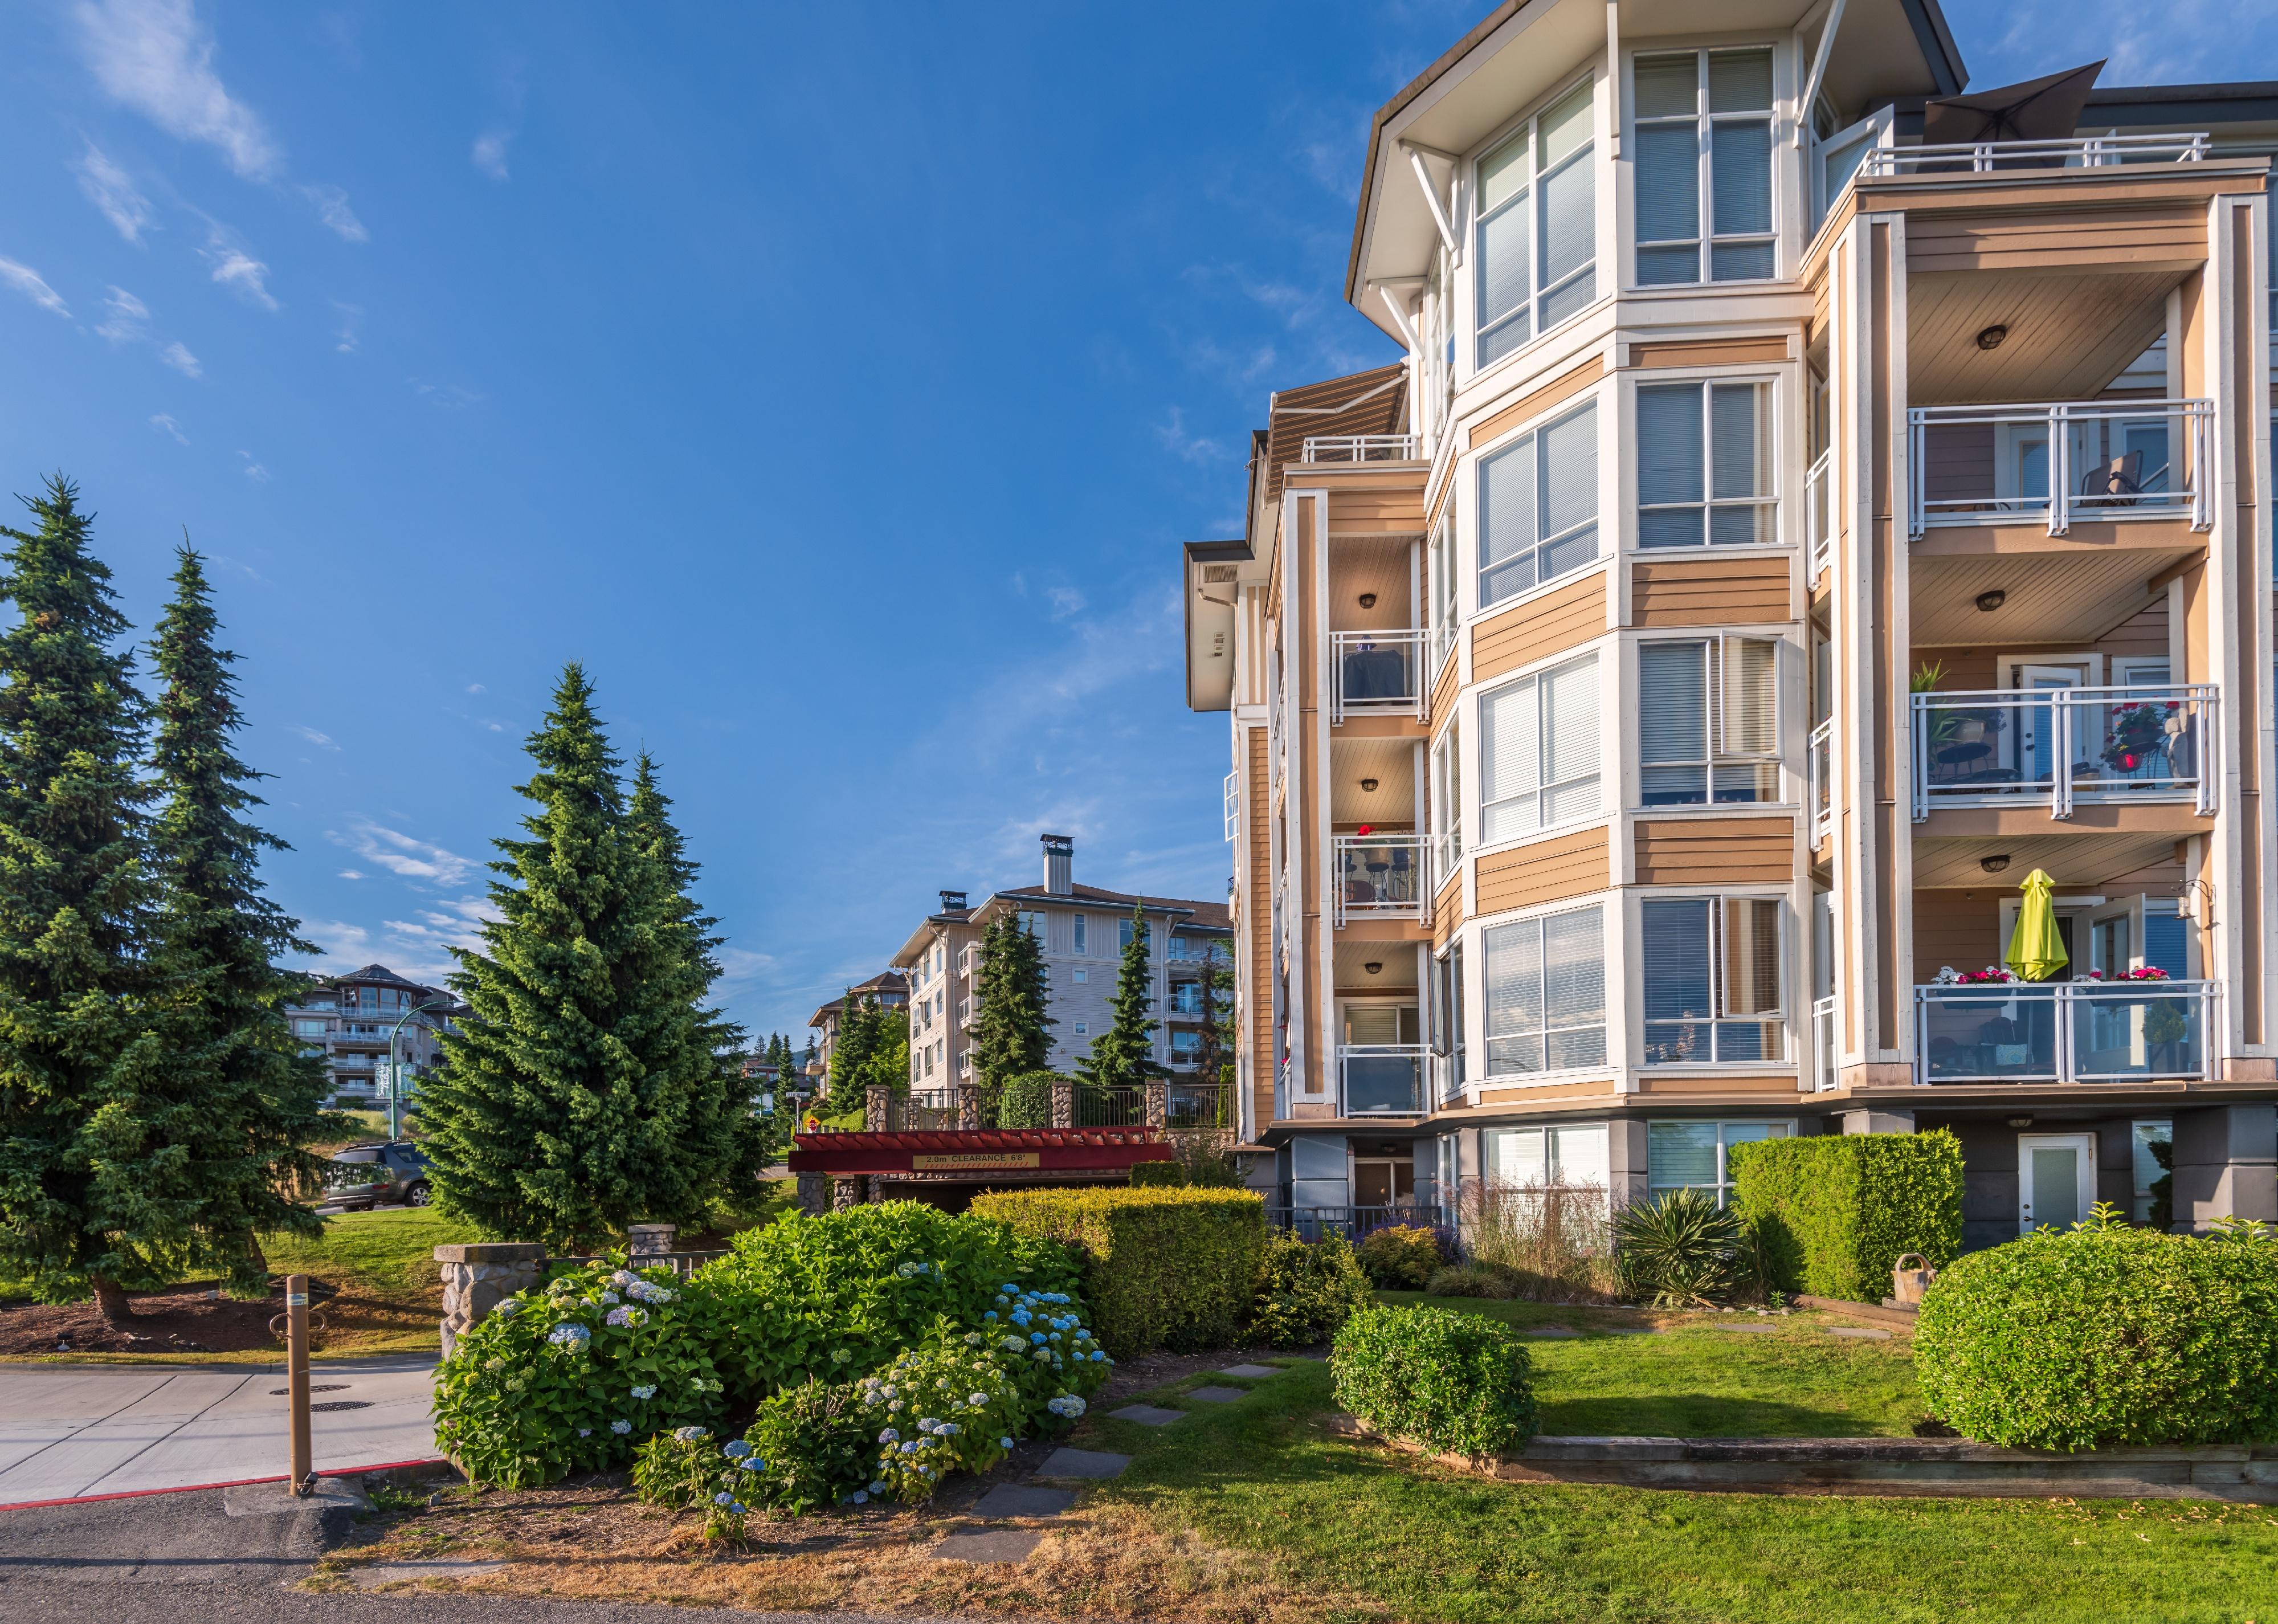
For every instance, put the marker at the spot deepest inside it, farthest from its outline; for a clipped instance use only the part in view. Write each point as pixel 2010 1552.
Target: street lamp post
pixel 394 1068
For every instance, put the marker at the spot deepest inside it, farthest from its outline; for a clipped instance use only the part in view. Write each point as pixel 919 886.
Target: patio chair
pixel 2122 477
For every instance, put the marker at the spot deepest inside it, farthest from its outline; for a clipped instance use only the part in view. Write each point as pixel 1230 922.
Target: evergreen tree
pixel 536 1122
pixel 226 1136
pixel 1215 1055
pixel 1123 1055
pixel 1012 1030
pixel 850 1051
pixel 75 1046
pixel 889 1065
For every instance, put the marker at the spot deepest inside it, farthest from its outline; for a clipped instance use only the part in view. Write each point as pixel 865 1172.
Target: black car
pixel 364 1176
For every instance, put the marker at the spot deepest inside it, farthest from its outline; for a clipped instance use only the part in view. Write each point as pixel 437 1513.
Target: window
pixel 1446 801
pixel 1539 751
pixel 1447 1012
pixel 1561 1158
pixel 1545 984
pixel 1539 506
pixel 1704 166
pixel 1707 722
pixel 1537 233
pixel 1712 981
pixel 1082 1029
pixel 1081 932
pixel 1447 613
pixel 1187 998
pixel 2152 1142
pixel 1691 1155
pixel 1033 923
pixel 1186 1047
pixel 1083 975
pixel 303 1028
pixel 1704 465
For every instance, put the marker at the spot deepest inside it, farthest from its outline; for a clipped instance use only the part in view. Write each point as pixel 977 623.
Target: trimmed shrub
pixel 1681 1251
pixel 1401 1257
pixel 1161 1267
pixel 1834 1214
pixel 1457 1383
pixel 1158 1175
pixel 2104 1334
pixel 1306 1290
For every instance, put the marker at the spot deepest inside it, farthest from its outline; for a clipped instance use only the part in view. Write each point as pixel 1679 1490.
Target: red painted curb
pixel 235 1483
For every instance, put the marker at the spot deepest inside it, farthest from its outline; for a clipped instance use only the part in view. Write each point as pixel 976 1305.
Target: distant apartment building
pixel 348 1020
pixel 1083 930
pixel 887 990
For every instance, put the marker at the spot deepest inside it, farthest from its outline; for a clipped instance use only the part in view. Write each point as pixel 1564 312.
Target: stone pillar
pixel 814 1193
pixel 2226 1165
pixel 649 1240
pixel 877 1108
pixel 1063 1104
pixel 1878 1122
pixel 850 1191
pixel 968 1104
pixel 1158 1102
pixel 477 1278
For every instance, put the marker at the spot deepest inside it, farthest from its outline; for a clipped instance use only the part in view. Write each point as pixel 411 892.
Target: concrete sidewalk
pixel 69 1430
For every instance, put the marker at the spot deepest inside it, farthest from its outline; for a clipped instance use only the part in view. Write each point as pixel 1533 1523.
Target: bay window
pixel 1539 506
pixel 1692 1155
pixel 1448 1012
pixel 1537 233
pixel 1447 803
pixel 1712 980
pixel 1447 606
pixel 1704 465
pixel 1545 994
pixel 1539 751
pixel 1564 1158
pixel 1707 720
pixel 1704 166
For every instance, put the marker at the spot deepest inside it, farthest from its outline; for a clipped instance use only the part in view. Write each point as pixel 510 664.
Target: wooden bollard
pixel 296 1381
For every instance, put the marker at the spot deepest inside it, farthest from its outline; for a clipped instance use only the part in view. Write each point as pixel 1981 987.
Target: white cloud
pixel 349 338
pixel 1065 600
pixel 155 57
pixel 29 283
pixel 310 733
pixel 1189 448
pixel 404 855
pixel 352 874
pixel 236 270
pixel 108 187
pixel 129 317
pixel 446 397
pixel 474 687
pixel 333 208
pixel 165 424
pixel 489 155
pixel 177 355
pixel 740 964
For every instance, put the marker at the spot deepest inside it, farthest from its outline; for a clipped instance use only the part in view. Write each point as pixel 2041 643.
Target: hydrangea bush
pixel 572 1377
pixel 690 1468
pixel 815 1439
pixel 1043 1340
pixel 941 1409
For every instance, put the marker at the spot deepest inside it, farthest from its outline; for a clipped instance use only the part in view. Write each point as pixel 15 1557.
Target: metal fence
pixel 1352 1222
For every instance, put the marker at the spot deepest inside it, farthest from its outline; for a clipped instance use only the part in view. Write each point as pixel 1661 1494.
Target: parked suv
pixel 364 1176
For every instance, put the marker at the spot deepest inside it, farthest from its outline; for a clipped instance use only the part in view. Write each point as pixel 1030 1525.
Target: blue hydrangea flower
pixel 689 1435
pixel 1009 1291
pixel 977 1399
pixel 890 1437
pixel 861 1496
pixel 1097 1354
pixel 585 1432
pixel 646 1390
pixel 507 1309
pixel 621 1427
pixel 879 1486
pixel 568 1335
pixel 723 1498
pixel 910 1448
pixel 1037 1337
pixel 1004 1442
pixel 991 1315
pixel 736 1449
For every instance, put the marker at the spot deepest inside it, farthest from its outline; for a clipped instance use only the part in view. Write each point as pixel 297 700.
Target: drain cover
pixel 321 1387
pixel 341 1404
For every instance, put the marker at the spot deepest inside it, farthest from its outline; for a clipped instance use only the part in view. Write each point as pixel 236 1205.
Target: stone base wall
pixel 478 1278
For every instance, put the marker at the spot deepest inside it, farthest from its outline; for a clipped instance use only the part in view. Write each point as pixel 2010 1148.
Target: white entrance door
pixel 2037 729
pixel 2056 1180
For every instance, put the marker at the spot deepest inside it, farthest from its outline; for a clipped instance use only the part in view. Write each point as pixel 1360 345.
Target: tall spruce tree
pixel 76 1047
pixel 1215 1053
pixel 538 1120
pixel 1123 1056
pixel 228 1123
pixel 1011 1031
pixel 857 1040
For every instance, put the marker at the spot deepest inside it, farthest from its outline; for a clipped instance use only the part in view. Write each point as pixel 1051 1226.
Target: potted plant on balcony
pixel 2137 730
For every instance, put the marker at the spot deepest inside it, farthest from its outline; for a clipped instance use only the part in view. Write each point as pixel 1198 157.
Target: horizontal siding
pixel 1447 912
pixel 1539 628
pixel 1716 851
pixel 1709 591
pixel 1546 871
pixel 1372 511
pixel 1710 352
pixel 1443 692
pixel 1528 406
pixel 2050 241
pixel 1957 928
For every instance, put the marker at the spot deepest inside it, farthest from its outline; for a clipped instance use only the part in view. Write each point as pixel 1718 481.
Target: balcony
pixel 2076 152
pixel 2065 745
pixel 1377 673
pixel 2056 463
pixel 1381 1079
pixel 1360 448
pixel 1380 876
pixel 2065 1032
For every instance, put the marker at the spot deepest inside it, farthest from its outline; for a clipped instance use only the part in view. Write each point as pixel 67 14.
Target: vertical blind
pixel 1704 465
pixel 1712 980
pixel 1704 143
pixel 1536 231
pixel 1709 721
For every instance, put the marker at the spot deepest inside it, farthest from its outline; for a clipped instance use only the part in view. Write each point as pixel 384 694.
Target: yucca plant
pixel 1679 1250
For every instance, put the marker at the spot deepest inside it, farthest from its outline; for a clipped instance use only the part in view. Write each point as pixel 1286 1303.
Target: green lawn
pixel 1433 1544
pixel 386 1253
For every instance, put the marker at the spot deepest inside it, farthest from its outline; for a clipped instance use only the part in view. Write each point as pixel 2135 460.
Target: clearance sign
pixel 959 1160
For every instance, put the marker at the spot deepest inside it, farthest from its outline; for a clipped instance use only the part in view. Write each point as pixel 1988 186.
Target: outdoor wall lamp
pixel 1368 786
pixel 2020 1121
pixel 1373 966
pixel 1988 601
pixel 1368 600
pixel 1994 864
pixel 1990 337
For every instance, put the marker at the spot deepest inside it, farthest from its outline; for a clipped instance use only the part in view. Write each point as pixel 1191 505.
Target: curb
pixel 399 1471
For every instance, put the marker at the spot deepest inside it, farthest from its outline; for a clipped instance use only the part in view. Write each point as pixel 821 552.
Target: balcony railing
pixel 2074 152
pixel 1198 1104
pixel 922 1110
pixel 1823 1044
pixel 1360 448
pixel 2065 1032
pixel 1822 780
pixel 1312 1222
pixel 2057 461
pixel 2002 747
pixel 1381 875
pixel 1381 1079
pixel 1376 673
pixel 1819 512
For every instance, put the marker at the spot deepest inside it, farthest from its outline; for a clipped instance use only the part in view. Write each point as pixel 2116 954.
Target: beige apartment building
pixel 1812 499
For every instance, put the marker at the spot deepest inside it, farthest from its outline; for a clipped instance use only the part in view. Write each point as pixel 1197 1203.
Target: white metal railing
pixel 2004 746
pixel 1381 1079
pixel 1822 780
pixel 2071 152
pixel 1823 1044
pixel 1381 875
pixel 1377 672
pixel 1233 804
pixel 2065 1032
pixel 1360 448
pixel 1818 513
pixel 2060 461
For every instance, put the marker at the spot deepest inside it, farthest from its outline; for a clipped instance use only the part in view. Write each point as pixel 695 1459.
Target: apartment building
pixel 1083 930
pixel 1812 499
pixel 351 1020
pixel 889 990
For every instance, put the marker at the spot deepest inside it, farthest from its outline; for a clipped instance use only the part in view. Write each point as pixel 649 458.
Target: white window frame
pixel 1704 194
pixel 1081 934
pixel 1785 1125
pixel 1552 1171
pixel 1768 420
pixel 1536 923
pixel 1528 197
pixel 1541 790
pixel 1445 584
pixel 1719 725
pixel 1782 1020
pixel 1447 770
pixel 1037 923
pixel 1565 412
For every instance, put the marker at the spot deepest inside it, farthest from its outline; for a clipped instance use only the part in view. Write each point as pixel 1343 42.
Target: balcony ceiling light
pixel 1368 600
pixel 1994 864
pixel 1373 966
pixel 2020 1121
pixel 1368 786
pixel 1988 601
pixel 1990 337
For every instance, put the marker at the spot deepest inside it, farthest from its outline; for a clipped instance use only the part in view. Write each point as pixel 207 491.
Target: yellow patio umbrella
pixel 2036 949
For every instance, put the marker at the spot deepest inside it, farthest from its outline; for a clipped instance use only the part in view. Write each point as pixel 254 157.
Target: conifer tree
pixel 1011 1031
pixel 227 1124
pixel 1216 1051
pixel 74 904
pixel 888 1064
pixel 1123 1055
pixel 851 1050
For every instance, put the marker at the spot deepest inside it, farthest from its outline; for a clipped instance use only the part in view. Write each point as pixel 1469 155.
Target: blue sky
pixel 836 382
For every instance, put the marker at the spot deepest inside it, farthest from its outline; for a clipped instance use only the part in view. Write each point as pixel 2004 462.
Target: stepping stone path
pixel 1250 1373
pixel 1218 1395
pixel 1085 1463
pixel 1146 1414
pixel 1023 1500
pixel 1764 1330
pixel 1859 1330
pixel 398 1573
pixel 995 1545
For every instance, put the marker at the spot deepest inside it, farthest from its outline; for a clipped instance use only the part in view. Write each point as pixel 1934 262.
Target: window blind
pixel 1539 506
pixel 1510 761
pixel 1507 537
pixel 1546 990
pixel 1690 106
pixel 1514 990
pixel 1672 723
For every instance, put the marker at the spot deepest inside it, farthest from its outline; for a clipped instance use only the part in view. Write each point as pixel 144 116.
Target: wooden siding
pixel 1393 506
pixel 1650 1084
pixel 1960 929
pixel 1444 689
pixel 1551 871
pixel 1539 628
pixel 1711 352
pixel 1709 591
pixel 2165 233
pixel 1446 913
pixel 1528 406
pixel 1716 851
pixel 2068 335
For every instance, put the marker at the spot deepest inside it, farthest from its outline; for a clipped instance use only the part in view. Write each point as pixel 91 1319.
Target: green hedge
pixel 1834 1214
pixel 1162 1267
pixel 1456 1384
pixel 2106 1335
pixel 1158 1175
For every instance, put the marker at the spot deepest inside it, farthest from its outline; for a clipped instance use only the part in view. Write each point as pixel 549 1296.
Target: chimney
pixel 952 902
pixel 1060 857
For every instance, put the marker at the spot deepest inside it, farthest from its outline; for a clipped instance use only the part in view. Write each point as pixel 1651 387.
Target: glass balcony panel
pixel 1383 874
pixel 1382 1079
pixel 2002 1032
pixel 2118 1032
